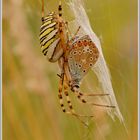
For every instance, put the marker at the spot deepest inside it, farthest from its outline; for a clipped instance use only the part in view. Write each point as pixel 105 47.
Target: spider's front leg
pixel 77 31
pixel 68 32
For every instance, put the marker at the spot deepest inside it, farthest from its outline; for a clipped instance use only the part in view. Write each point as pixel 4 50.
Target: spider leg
pixel 92 94
pixel 61 83
pixel 72 111
pixel 69 100
pixel 42 8
pixel 68 32
pixel 61 97
pixel 81 98
pixel 97 94
pixel 77 31
pixel 67 97
pixel 60 9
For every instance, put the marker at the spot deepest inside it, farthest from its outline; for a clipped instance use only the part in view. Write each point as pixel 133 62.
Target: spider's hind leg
pixel 72 111
pixel 69 101
pixel 67 97
pixel 60 95
pixel 83 100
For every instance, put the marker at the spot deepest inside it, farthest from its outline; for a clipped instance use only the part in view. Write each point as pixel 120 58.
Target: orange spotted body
pixel 82 56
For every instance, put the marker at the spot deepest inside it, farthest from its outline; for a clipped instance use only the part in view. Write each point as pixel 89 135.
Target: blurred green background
pixel 31 109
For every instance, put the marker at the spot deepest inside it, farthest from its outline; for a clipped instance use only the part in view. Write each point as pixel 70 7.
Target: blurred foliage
pixel 31 110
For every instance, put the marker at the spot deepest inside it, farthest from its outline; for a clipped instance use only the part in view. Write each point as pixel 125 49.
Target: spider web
pixel 100 68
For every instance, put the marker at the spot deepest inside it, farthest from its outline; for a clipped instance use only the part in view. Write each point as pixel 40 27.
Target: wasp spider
pixel 75 57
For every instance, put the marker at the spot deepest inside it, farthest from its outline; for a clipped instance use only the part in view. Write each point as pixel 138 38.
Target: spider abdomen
pixel 50 38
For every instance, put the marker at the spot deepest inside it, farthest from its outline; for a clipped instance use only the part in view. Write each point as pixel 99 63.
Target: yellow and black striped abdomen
pixel 49 38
